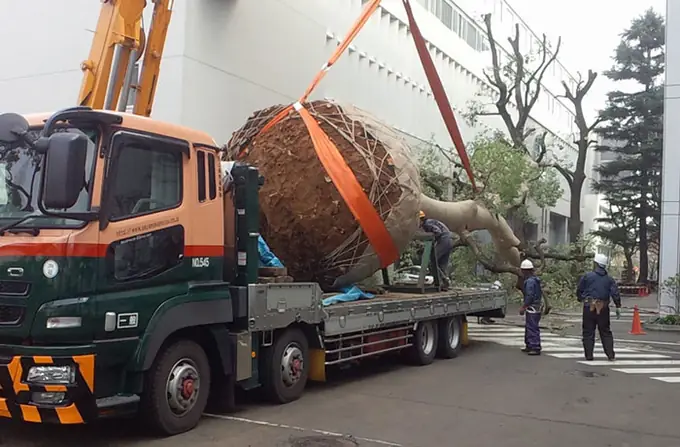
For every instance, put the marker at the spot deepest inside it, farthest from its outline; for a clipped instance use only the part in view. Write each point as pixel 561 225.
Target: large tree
pixel 518 79
pixel 619 226
pixel 633 127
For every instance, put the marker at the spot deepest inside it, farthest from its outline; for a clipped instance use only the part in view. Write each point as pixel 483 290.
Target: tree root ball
pixel 304 219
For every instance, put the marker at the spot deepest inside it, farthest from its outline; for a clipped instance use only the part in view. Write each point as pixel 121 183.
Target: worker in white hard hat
pixel 531 308
pixel 594 290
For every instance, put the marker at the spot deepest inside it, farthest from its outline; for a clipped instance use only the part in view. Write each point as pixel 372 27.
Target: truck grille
pixel 11 314
pixel 19 288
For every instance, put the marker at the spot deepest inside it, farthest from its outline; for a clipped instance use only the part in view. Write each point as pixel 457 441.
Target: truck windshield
pixel 20 177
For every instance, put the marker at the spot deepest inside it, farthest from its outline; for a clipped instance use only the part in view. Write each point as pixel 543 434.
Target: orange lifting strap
pixel 335 165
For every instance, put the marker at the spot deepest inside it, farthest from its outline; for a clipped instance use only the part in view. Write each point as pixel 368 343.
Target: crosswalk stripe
pixel 648 370
pixel 623 356
pixel 515 343
pixel 670 379
pixel 508 336
pixel 580 349
pixel 630 362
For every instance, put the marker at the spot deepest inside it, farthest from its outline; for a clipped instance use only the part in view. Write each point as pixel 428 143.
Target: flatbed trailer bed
pixel 393 321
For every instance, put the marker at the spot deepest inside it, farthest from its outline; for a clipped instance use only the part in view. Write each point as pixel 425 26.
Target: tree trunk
pixel 644 247
pixel 574 227
pixel 629 266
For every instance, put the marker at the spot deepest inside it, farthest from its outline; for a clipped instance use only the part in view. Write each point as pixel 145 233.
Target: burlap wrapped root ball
pixel 304 219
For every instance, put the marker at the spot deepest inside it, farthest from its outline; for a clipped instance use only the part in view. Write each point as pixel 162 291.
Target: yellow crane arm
pixel 118 43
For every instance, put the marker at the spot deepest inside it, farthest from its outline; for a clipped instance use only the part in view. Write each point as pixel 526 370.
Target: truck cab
pixel 111 239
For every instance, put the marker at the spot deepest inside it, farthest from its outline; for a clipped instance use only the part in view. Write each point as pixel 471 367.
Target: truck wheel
pixel 450 337
pixel 285 367
pixel 424 341
pixel 177 388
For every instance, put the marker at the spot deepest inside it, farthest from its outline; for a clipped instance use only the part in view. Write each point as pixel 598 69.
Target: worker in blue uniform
pixel 531 308
pixel 443 245
pixel 595 289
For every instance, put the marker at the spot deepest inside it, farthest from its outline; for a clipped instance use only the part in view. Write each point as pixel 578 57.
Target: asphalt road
pixel 490 395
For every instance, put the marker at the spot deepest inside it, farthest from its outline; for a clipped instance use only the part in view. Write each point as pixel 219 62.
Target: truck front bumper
pixel 41 388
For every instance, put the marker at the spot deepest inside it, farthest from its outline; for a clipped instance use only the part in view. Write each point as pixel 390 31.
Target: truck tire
pixel 450 337
pixel 285 367
pixel 425 340
pixel 177 388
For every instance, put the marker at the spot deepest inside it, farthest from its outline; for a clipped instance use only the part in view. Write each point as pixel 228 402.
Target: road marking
pixel 672 379
pixel 630 362
pixel 300 429
pixel 623 356
pixel 516 343
pixel 580 349
pixel 648 370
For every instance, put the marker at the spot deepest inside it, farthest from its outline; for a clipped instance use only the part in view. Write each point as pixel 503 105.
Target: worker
pixel 594 290
pixel 531 308
pixel 443 245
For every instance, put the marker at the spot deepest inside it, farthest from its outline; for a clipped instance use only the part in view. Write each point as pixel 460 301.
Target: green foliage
pixel 671 286
pixel 506 172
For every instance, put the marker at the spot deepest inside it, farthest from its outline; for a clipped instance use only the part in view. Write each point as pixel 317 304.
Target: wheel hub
pixel 182 387
pixel 292 365
pixel 426 337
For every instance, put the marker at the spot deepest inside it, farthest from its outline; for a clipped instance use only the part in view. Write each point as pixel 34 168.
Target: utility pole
pixel 669 250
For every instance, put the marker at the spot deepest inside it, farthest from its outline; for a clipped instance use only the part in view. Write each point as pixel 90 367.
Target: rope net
pixel 305 220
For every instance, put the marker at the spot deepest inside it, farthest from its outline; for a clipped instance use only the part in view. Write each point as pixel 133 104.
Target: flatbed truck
pixel 130 279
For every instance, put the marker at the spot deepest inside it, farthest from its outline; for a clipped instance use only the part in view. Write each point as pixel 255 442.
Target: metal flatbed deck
pixel 397 308
pixel 273 306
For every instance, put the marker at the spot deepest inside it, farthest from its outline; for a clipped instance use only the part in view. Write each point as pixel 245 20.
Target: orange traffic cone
pixel 637 324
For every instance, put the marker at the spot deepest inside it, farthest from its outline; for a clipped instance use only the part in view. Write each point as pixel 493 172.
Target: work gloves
pixel 618 313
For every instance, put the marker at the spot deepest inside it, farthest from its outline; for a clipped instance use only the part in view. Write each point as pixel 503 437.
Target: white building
pixel 225 59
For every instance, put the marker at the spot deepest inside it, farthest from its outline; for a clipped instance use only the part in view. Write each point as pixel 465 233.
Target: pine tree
pixel 633 120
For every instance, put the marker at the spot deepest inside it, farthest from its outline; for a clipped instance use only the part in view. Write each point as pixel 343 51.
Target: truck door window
pixel 200 163
pixel 146 255
pixel 148 180
pixel 212 182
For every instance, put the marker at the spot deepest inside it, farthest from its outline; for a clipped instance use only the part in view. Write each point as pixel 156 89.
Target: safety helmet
pixel 421 214
pixel 601 260
pixel 526 265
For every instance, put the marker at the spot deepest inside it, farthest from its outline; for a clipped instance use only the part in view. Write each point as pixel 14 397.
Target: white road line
pixel 515 343
pixel 630 362
pixel 622 356
pixel 580 349
pixel 648 370
pixel 671 379
pixel 516 336
pixel 300 429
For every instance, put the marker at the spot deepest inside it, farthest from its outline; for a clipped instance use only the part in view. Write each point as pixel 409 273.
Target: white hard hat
pixel 526 265
pixel 601 259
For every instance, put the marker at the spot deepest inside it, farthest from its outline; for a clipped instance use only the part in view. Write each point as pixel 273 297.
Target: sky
pixel 590 32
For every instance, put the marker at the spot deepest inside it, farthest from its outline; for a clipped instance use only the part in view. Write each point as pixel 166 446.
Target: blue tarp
pixel 351 293
pixel 267 257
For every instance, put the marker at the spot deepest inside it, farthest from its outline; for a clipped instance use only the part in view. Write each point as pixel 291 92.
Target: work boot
pixel 525 349
pixel 534 352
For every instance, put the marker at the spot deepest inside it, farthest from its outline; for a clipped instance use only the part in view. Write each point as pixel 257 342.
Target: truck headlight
pixel 52 374
pixel 63 322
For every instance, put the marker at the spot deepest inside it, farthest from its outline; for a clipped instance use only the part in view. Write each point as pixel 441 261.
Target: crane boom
pixel 119 42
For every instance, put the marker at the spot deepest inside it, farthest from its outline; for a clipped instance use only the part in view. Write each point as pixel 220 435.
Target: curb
pixel 661 327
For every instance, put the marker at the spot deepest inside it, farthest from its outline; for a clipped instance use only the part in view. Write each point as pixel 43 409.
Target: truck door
pixel 148 207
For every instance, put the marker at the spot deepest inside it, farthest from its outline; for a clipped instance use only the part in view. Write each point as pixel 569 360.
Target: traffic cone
pixel 637 324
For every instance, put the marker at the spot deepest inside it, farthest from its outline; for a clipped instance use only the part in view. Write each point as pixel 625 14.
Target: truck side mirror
pixel 64 174
pixel 12 127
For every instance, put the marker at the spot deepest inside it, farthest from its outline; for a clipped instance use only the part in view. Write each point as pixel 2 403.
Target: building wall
pixel 225 59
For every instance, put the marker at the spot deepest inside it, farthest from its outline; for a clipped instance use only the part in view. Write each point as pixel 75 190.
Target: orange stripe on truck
pixel 80 250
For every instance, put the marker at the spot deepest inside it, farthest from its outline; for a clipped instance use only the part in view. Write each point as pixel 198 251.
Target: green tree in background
pixel 632 126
